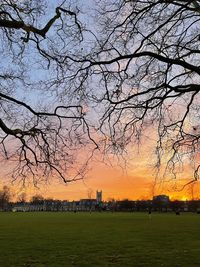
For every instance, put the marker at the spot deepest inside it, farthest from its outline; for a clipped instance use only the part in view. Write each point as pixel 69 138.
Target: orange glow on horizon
pixel 135 182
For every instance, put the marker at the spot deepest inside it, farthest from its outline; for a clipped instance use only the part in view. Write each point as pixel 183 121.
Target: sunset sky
pixel 135 181
pixel 135 184
pixel 132 176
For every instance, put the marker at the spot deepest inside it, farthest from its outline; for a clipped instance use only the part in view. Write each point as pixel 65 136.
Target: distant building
pixel 87 204
pixel 161 203
pixel 161 198
pixel 99 196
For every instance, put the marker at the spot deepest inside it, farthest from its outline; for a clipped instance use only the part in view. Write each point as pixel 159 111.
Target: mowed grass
pixel 99 239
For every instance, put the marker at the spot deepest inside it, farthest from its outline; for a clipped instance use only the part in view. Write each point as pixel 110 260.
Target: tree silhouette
pixel 101 84
pixel 147 64
pixel 41 128
pixel 5 197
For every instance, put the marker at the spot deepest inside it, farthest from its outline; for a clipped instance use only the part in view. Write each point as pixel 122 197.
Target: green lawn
pixel 99 239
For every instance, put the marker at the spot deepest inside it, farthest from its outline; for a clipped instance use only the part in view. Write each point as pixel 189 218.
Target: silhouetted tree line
pixel 154 205
pixel 158 204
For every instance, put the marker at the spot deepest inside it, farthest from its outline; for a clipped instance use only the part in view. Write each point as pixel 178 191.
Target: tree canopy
pixel 148 61
pixel 42 123
pixel 70 80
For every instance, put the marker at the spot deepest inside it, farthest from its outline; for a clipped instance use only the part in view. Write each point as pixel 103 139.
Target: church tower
pixel 99 196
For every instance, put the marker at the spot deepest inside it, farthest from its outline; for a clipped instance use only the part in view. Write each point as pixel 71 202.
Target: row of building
pixel 58 205
pixel 159 203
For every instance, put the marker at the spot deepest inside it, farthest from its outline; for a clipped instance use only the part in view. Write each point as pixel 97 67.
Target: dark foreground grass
pixel 99 239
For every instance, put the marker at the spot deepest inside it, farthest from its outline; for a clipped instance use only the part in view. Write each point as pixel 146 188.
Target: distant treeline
pixel 160 203
pixel 114 206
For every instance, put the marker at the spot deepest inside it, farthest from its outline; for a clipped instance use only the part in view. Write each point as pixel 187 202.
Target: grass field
pixel 99 239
